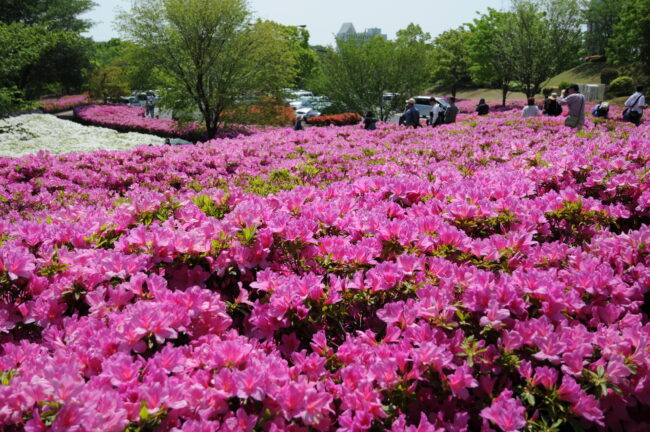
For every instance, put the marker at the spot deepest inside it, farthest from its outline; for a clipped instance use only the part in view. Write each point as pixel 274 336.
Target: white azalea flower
pixel 29 134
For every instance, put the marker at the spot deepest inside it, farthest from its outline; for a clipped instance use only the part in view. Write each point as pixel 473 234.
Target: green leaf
pixel 144 411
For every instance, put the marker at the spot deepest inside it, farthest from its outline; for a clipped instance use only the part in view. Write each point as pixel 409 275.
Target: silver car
pixel 423 104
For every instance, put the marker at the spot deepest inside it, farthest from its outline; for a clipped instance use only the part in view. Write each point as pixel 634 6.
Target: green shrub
pixel 608 74
pixel 564 84
pixel 546 91
pixel 621 86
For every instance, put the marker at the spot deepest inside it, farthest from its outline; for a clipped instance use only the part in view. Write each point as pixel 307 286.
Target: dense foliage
pixel 344 119
pixel 484 275
pixel 209 53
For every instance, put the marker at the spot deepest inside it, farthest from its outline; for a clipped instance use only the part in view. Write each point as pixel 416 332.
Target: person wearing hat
pixel 551 107
pixel 411 114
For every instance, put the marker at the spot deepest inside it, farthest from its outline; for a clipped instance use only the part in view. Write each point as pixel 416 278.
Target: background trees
pixel 209 53
pixel 377 74
pixel 451 59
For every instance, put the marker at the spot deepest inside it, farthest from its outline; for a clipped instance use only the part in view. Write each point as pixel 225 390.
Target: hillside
pixel 586 73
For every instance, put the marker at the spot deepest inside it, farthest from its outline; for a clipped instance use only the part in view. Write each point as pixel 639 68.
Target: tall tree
pixel 491 51
pixel 600 16
pixel 451 61
pixel 630 43
pixel 305 57
pixel 210 52
pixel 546 38
pixel 358 73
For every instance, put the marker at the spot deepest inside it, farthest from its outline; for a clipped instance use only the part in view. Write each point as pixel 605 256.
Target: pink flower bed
pixel 55 105
pixel 126 118
pixel 488 275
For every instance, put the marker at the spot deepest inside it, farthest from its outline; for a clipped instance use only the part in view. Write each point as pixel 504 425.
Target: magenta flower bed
pixel 55 105
pixel 488 275
pixel 126 118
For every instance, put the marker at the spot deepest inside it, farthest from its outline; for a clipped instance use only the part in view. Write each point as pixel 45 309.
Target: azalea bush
pixel 265 112
pixel 486 275
pixel 33 133
pixel 344 119
pixel 64 103
pixel 126 118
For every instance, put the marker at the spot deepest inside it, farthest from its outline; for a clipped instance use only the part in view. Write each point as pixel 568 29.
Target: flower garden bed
pixel 126 118
pixel 64 103
pixel 487 275
pixel 32 133
pixel 344 119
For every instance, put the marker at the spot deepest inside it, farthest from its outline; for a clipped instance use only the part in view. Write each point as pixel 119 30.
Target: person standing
pixel 411 114
pixel 298 124
pixel 551 107
pixel 530 110
pixel 434 116
pixel 575 101
pixel 452 111
pixel 369 121
pixel 150 106
pixel 482 108
pixel 635 105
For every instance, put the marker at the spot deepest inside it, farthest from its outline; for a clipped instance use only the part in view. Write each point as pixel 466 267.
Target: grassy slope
pixel 586 73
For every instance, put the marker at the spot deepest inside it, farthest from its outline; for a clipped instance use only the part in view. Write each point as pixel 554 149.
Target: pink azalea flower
pixel 506 412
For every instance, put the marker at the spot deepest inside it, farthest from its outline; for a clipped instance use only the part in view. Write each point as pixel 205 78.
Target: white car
pixel 423 104
pixel 307 113
pixel 303 102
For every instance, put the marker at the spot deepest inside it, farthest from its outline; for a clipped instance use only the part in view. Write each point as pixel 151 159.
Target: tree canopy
pixel 54 14
pixel 210 53
pixel 359 73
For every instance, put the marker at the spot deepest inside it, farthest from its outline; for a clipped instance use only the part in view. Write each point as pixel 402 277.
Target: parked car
pixel 423 104
pixel 319 103
pixel 303 102
pixel 307 113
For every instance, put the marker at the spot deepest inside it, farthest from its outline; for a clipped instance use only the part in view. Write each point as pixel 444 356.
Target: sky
pixel 324 18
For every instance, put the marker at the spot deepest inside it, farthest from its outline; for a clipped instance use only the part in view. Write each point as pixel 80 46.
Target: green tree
pixel 60 15
pixel 210 53
pixel 108 82
pixel 451 59
pixel 358 73
pixel 305 57
pixel 546 39
pixel 601 17
pixel 491 51
pixel 630 43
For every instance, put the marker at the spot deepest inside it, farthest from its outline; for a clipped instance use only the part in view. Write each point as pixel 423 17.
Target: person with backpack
pixel 451 112
pixel 601 110
pixel 551 107
pixel 635 105
pixel 369 121
pixel 575 101
pixel 482 108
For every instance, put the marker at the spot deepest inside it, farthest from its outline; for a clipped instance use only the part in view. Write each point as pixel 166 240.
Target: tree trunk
pixel 504 94
pixel 453 91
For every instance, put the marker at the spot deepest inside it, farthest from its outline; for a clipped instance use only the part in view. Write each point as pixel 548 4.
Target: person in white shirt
pixel 531 110
pixel 435 112
pixel 635 105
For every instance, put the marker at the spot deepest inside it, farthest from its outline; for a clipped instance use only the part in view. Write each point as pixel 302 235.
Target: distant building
pixel 348 31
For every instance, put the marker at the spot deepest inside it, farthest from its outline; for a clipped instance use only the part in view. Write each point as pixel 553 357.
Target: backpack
pixel 555 109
